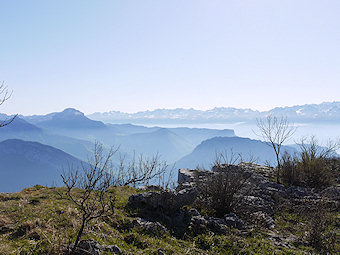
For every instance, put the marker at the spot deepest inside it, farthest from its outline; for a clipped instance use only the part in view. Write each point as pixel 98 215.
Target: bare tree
pixel 275 131
pixel 4 96
pixel 88 188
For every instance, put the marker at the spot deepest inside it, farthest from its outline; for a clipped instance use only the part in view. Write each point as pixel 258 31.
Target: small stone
pixel 113 248
pixel 161 252
pixel 90 246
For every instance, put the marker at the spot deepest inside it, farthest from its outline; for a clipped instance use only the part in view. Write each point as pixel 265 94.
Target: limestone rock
pixel 88 247
pixel 150 228
pixel 150 187
pixel 166 200
pixel 332 193
pixel 233 221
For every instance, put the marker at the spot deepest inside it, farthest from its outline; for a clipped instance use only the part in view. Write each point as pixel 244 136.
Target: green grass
pixel 37 221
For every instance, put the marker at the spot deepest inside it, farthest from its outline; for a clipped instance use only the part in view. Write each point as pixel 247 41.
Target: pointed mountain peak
pixel 72 111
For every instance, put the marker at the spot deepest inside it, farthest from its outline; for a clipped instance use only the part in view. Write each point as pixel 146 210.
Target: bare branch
pixel 4 96
pixel 275 131
pixel 93 198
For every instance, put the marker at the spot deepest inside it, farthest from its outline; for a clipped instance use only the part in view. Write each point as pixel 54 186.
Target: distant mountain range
pixel 21 129
pixel 328 111
pixel 36 147
pixel 74 133
pixel 33 149
pixel 24 164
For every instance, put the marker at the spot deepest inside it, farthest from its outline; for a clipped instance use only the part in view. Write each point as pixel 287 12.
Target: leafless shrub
pixel 166 179
pixel 140 171
pixel 275 131
pixel 232 158
pixel 88 189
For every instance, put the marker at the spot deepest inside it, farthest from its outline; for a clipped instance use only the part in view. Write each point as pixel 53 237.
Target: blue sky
pixel 134 55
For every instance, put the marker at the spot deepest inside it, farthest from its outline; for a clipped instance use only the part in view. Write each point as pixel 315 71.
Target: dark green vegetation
pixel 313 166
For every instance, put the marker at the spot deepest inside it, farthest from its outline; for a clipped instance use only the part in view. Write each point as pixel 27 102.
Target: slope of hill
pixel 197 135
pixel 19 126
pixel 167 144
pixel 24 164
pixel 129 129
pixel 205 153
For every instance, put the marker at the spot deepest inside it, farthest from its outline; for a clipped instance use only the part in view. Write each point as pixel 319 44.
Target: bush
pixel 319 235
pixel 314 166
pixel 219 192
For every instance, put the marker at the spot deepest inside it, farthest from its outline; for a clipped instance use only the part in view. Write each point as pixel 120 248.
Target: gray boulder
pixel 198 225
pixel 332 193
pixel 150 228
pixel 233 221
pixel 217 225
pixel 150 188
pixel 167 201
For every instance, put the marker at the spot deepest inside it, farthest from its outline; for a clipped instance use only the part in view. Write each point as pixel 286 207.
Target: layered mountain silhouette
pixel 34 148
pixel 24 164
pixel 171 143
pixel 21 129
pixel 204 155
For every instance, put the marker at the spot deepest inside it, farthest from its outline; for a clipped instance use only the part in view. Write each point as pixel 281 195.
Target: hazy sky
pixel 133 55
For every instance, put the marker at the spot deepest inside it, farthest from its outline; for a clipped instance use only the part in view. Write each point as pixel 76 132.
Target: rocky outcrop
pixel 202 224
pixel 257 200
pixel 167 201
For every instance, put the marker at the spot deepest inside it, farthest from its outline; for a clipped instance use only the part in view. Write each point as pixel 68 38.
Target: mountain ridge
pixel 326 111
pixel 232 148
pixel 26 163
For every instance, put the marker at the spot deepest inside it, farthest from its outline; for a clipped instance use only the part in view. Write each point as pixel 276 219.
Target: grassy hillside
pixel 37 221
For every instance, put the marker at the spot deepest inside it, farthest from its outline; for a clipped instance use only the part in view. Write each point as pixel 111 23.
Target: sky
pixel 134 55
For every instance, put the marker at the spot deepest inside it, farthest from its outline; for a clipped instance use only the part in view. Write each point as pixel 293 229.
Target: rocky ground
pixel 268 218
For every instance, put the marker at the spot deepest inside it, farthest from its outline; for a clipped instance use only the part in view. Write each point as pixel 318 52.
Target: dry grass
pixel 37 221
